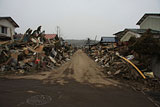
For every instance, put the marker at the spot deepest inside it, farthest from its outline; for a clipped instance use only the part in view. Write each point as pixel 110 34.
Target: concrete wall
pixel 10 27
pixel 156 66
pixel 151 22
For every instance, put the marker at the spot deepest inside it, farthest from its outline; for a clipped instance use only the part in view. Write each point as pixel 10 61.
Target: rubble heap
pixel 33 52
pixel 114 66
pixel 142 52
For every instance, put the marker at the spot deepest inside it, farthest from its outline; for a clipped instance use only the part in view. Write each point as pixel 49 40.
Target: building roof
pixel 142 31
pixel 50 36
pixel 107 39
pixel 145 16
pixel 139 31
pixel 118 33
pixel 10 20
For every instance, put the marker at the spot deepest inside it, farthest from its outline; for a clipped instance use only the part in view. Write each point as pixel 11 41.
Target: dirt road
pixel 78 83
pixel 82 69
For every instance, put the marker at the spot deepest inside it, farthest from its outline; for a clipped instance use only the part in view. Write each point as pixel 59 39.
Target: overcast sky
pixel 78 19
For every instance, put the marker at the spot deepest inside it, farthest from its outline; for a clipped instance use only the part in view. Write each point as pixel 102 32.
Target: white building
pixel 7 26
pixel 150 21
pixel 128 33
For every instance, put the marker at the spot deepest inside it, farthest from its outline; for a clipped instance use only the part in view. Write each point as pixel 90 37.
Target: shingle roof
pixel 11 20
pixel 145 16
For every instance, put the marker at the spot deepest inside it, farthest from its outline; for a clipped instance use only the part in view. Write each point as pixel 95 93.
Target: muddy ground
pixel 78 83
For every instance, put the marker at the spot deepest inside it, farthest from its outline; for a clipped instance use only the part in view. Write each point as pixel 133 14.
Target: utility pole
pixel 58 31
pixel 95 39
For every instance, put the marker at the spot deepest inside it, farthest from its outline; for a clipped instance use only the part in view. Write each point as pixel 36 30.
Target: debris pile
pixel 33 52
pixel 135 60
pixel 102 54
pixel 113 65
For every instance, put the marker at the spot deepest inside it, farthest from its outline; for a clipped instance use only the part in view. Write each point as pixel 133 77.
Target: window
pixel 4 30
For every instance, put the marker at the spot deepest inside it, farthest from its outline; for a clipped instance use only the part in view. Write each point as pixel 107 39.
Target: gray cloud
pixel 78 19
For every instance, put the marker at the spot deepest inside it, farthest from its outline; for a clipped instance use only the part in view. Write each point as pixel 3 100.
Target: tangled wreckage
pixel 137 59
pixel 33 51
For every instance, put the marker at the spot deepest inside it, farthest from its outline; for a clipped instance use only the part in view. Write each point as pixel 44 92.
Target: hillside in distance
pixel 76 43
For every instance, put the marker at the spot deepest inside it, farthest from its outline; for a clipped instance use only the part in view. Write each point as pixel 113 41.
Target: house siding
pixel 10 27
pixel 151 22
pixel 128 35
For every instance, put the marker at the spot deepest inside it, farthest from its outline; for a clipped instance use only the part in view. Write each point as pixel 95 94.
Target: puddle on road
pixel 39 100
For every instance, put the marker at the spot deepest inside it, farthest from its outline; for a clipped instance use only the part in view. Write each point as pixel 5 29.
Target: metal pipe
pixel 140 72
